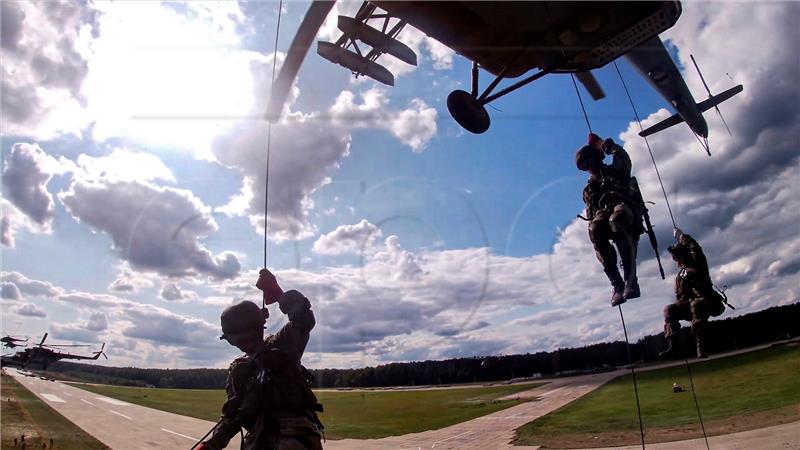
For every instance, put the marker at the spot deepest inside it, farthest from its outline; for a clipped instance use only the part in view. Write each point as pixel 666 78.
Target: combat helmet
pixel 242 317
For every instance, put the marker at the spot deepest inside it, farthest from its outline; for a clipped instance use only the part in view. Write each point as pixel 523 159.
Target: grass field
pixel 736 393
pixel 23 413
pixel 348 414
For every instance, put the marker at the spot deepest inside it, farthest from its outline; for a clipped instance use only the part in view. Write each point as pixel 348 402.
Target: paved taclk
pixel 118 424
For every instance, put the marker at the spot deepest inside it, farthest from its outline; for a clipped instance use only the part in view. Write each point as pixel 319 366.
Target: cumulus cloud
pixel 153 228
pixel 347 239
pixel 124 164
pixel 129 281
pixel 97 322
pixel 173 291
pixel 305 149
pixel 30 310
pixel 27 171
pixel 164 327
pixel 413 126
pixel 45 50
pixel 32 288
pixel 9 291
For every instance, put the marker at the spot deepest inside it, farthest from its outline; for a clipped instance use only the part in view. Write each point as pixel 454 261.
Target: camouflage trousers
pixel 696 310
pixel 287 432
pixel 616 225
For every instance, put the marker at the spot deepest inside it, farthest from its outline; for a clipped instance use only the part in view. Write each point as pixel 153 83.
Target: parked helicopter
pixel 46 355
pixel 508 40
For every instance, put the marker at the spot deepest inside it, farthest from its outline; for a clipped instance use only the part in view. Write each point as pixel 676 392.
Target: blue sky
pixel 133 174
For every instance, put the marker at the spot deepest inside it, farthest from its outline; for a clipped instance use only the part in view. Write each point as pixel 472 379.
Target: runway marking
pixel 451 437
pixel 554 390
pixel 113 401
pixel 178 434
pixel 119 414
pixel 53 398
pixel 87 402
pixel 66 393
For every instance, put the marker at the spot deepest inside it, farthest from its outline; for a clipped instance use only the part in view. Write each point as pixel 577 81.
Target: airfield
pixel 123 425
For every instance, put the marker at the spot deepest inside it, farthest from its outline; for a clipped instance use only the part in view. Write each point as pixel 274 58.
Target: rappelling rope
pixel 621 317
pixel 585 116
pixel 655 166
pixel 674 225
pixel 633 374
pixel 269 131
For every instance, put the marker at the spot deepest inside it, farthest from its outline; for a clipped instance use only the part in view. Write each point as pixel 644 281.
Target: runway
pixel 118 424
pixel 121 425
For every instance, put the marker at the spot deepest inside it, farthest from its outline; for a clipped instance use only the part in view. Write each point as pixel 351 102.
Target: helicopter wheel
pixel 466 110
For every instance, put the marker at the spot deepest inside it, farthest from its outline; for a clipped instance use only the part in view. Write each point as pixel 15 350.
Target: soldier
pixel 268 390
pixel 611 214
pixel 695 297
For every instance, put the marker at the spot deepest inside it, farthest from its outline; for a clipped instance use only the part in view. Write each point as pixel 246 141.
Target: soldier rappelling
pixel 613 214
pixel 268 390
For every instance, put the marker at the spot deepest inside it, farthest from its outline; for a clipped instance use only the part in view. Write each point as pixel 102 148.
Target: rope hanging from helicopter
pixel 269 135
pixel 621 316
pixel 674 225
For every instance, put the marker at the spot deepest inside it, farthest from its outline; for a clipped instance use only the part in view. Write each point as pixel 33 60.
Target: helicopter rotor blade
pixel 697 68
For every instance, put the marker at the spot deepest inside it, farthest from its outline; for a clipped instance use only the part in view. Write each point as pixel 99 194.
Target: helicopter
pixel 47 354
pixel 509 40
pixel 12 341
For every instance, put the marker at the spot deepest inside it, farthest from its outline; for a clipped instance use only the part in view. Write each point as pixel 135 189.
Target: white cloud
pixel 123 164
pixel 27 171
pixel 45 52
pixel 33 288
pixel 347 239
pixel 30 310
pixel 152 228
pixel 97 322
pixel 173 291
pixel 130 281
pixel 9 291
pixel 413 126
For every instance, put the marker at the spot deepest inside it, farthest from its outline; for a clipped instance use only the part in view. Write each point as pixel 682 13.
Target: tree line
pixel 769 325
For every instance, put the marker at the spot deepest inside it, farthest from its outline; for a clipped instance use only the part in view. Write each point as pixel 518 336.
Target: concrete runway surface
pixel 118 424
pixel 126 426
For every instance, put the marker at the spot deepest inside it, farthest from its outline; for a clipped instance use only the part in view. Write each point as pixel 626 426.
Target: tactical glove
pixel 595 141
pixel 269 285
pixel 609 146
pixel 677 233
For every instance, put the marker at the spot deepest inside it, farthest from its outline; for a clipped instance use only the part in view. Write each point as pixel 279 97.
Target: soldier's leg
pixel 599 234
pixel 673 314
pixel 621 223
pixel 700 313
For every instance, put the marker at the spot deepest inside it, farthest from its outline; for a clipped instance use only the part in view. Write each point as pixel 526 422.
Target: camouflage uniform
pixel 269 394
pixel 695 297
pixel 612 217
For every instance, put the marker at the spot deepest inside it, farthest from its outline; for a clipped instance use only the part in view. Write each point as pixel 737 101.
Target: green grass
pixel 23 413
pixel 348 414
pixel 744 385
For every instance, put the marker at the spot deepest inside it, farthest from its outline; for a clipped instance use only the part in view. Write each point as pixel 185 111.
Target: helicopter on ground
pixel 46 354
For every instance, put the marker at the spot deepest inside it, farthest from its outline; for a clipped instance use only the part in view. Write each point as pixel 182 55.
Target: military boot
pixel 617 297
pixel 631 288
pixel 671 335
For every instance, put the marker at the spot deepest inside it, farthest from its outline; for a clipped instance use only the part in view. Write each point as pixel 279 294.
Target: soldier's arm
pixel 621 161
pixel 230 423
pixel 293 337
